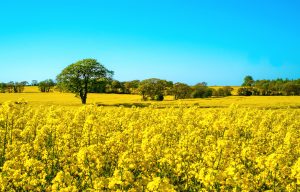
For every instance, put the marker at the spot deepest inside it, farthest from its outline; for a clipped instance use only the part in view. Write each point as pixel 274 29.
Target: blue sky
pixel 192 41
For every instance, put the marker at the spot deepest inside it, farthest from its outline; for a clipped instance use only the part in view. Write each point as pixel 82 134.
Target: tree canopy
pixel 248 81
pixel 267 87
pixel 201 90
pixel 81 76
pixel 154 88
pixel 181 91
pixel 46 85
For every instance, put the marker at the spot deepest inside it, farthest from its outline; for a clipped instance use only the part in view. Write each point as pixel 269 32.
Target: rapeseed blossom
pixel 148 149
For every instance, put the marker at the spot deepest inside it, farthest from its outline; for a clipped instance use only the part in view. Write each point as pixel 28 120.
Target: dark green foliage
pixel 13 87
pixel 153 89
pixel 271 87
pixel 223 91
pixel 2 87
pixel 99 86
pixel 181 91
pixel 244 91
pixel 115 86
pixel 248 81
pixel 46 85
pixel 131 87
pixel 82 76
pixel 34 83
pixel 159 98
pixel 201 90
pixel 291 88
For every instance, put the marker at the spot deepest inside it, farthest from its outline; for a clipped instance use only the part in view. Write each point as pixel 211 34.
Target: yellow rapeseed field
pixel 92 148
pixel 50 142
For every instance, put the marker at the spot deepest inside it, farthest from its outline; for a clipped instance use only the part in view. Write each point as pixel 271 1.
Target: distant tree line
pixel 149 89
pixel 18 87
pixel 156 89
pixel 269 87
pixel 89 76
pixel 13 87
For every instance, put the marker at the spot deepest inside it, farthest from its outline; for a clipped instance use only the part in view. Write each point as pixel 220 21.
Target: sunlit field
pixel 149 96
pixel 92 148
pixel 33 97
pixel 51 142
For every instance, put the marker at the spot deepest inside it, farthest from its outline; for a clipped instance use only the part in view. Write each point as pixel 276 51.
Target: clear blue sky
pixel 187 41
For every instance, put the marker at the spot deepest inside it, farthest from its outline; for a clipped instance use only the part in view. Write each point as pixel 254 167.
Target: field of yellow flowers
pixel 178 148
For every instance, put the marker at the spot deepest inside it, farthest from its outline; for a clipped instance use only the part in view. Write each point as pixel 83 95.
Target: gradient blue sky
pixel 187 41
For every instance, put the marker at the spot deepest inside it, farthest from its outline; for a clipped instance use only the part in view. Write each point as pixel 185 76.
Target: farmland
pixel 35 98
pixel 51 142
pixel 174 148
pixel 150 96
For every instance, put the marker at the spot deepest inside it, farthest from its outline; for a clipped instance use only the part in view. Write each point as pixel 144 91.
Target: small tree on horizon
pixel 248 81
pixel 80 77
pixel 201 90
pixel 46 85
pixel 181 91
pixel 34 83
pixel 153 89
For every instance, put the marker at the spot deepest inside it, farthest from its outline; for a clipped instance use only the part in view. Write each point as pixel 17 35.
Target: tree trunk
pixel 83 99
pixel 83 96
pixel 85 91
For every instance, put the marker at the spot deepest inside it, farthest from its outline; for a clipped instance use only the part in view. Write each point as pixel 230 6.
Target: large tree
pixel 81 76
